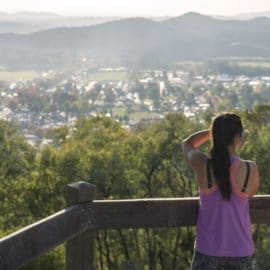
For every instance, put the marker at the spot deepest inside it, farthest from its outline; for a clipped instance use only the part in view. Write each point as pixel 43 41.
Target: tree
pixel 17 161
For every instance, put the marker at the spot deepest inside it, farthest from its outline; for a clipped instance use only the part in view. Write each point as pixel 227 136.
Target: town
pixel 55 99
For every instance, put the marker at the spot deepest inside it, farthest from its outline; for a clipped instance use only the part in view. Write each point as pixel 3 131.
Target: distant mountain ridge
pixel 38 21
pixel 27 22
pixel 139 42
pixel 245 16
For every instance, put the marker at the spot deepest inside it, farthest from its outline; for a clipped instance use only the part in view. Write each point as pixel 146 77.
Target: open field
pixel 108 76
pixel 17 75
pixel 189 64
pixel 120 111
pixel 254 64
pixel 137 116
pixel 247 62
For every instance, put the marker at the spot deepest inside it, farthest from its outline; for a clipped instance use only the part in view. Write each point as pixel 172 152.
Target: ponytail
pixel 224 129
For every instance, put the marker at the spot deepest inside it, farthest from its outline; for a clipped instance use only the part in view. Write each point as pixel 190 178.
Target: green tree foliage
pixel 17 161
pixel 141 163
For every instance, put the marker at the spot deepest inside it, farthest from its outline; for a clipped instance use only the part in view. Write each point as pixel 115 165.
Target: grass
pixel 244 62
pixel 16 75
pixel 254 64
pixel 120 111
pixel 136 116
pixel 108 76
pixel 189 62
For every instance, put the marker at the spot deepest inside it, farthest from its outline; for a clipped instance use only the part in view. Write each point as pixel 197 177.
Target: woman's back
pixel 240 174
pixel 223 227
pixel 224 237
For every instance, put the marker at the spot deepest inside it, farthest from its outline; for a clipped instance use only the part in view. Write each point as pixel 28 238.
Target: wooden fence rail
pixel 76 225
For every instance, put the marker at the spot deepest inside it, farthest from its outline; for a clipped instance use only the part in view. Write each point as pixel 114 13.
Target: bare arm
pixel 255 180
pixel 190 145
pixel 198 138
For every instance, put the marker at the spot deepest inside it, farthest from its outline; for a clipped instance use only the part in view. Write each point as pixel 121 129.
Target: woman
pixel 225 182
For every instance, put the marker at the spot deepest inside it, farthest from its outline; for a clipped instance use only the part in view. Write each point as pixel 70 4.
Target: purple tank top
pixel 224 227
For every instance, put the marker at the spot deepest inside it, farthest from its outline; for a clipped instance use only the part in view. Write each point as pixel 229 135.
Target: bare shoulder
pixel 252 164
pixel 254 178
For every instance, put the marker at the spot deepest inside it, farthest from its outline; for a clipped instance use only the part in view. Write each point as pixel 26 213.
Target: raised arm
pixel 190 147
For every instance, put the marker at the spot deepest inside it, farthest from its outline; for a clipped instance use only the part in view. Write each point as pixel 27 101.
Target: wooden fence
pixel 76 225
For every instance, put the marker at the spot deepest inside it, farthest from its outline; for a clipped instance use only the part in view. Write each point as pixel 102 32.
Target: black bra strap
pixel 208 174
pixel 247 177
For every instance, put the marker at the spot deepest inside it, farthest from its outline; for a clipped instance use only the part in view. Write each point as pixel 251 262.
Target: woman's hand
pixel 198 138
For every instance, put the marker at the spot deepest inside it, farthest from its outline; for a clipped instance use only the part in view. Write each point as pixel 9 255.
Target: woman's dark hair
pixel 224 129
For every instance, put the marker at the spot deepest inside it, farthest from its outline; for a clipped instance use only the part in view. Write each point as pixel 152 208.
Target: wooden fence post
pixel 80 249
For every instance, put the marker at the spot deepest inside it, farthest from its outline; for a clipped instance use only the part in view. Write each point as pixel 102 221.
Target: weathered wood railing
pixel 76 225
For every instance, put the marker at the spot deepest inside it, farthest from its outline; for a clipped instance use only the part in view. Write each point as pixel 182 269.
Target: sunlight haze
pixel 136 8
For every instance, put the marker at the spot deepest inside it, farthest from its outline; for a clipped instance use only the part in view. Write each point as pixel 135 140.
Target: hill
pixel 139 42
pixel 28 22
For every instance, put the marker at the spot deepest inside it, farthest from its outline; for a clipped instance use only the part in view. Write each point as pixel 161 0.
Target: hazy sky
pixel 136 7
